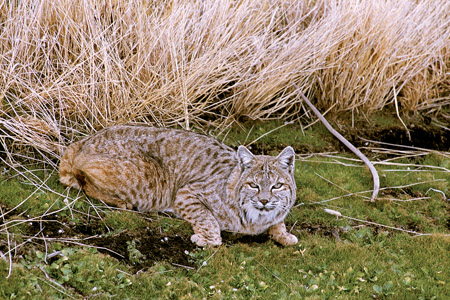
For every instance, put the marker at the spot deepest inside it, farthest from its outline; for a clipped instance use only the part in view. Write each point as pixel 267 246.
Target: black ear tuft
pixel 245 157
pixel 287 158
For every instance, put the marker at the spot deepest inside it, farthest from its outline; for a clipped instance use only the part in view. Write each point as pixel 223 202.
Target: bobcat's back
pixel 134 160
pixel 203 181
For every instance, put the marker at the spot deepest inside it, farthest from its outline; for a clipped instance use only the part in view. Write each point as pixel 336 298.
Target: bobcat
pixel 203 181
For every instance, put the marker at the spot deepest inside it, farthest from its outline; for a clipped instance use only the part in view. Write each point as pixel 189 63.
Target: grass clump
pixel 124 220
pixel 73 67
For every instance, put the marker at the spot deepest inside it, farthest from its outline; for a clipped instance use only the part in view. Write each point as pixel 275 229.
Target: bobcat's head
pixel 266 187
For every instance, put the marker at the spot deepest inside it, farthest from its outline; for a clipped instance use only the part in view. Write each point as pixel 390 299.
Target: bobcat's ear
pixel 286 158
pixel 245 157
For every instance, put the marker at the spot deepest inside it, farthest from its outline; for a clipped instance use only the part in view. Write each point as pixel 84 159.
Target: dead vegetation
pixel 72 67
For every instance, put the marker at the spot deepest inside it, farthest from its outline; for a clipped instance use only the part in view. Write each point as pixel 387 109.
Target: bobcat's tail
pixel 66 172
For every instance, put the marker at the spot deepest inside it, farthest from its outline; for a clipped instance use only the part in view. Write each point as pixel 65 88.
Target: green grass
pixel 361 266
pixel 364 262
pixel 277 134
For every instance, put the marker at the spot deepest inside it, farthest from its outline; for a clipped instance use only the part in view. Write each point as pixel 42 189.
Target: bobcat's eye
pixel 277 186
pixel 253 185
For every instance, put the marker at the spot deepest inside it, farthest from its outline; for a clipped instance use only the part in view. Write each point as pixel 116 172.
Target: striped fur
pixel 205 182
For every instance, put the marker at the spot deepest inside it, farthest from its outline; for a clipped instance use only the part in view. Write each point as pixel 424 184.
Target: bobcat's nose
pixel 264 201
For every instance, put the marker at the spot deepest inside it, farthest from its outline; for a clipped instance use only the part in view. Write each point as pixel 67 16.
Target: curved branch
pixel 376 178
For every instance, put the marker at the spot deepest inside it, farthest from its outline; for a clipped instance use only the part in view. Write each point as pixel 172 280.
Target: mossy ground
pixel 59 244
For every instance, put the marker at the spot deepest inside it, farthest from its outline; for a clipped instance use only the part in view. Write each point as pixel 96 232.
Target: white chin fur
pixel 256 216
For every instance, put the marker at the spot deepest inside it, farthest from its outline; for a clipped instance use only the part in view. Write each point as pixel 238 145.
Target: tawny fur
pixel 203 181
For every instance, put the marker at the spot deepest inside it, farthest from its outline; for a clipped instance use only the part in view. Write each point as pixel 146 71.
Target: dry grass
pixel 72 67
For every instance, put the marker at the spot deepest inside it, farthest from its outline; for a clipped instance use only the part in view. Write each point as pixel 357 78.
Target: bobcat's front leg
pixel 279 234
pixel 191 209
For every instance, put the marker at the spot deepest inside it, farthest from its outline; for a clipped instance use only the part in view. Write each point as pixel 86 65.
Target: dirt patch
pixel 142 249
pixel 421 136
pixel 420 131
pixel 308 228
pixel 229 238
pixel 399 193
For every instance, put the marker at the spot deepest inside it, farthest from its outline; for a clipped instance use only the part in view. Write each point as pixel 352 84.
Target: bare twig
pixel 331 182
pixel 398 114
pixel 444 153
pixel 338 214
pixel 269 132
pixel 54 282
pixel 10 264
pixel 205 262
pixel 272 273
pixel 365 192
pixel 76 242
pixel 438 191
pixel 51 279
pixel 183 266
pixel 376 179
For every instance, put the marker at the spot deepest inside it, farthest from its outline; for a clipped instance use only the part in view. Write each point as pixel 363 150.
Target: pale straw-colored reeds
pixel 70 67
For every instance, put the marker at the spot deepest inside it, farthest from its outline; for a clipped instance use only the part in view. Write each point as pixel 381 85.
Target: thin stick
pixel 398 114
pixel 183 266
pixel 331 182
pixel 402 170
pixel 334 162
pixel 376 178
pixel 10 251
pixel 438 191
pixel 61 291
pixel 314 122
pixel 273 274
pixel 51 279
pixel 406 200
pixel 338 214
pixel 270 131
pixel 444 153
pixel 9 246
pixel 363 192
pixel 70 241
pixel 206 260
pixel 384 162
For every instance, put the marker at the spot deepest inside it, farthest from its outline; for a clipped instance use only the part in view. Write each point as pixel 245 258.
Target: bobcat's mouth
pixel 264 208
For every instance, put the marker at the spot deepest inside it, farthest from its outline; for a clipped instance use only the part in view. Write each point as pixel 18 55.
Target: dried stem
pixel 66 72
pixel 376 179
pixel 338 214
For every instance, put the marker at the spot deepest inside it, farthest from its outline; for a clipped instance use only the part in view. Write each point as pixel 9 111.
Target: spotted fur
pixel 205 182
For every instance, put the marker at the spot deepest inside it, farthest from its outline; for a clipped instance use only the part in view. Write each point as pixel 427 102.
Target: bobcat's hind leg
pixel 92 191
pixel 279 234
pixel 106 180
pixel 205 226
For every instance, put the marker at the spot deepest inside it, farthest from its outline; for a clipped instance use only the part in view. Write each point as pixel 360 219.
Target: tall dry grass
pixel 69 67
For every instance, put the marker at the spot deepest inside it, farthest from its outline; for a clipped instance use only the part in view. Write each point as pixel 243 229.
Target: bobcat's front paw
pixel 279 234
pixel 202 241
pixel 286 239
